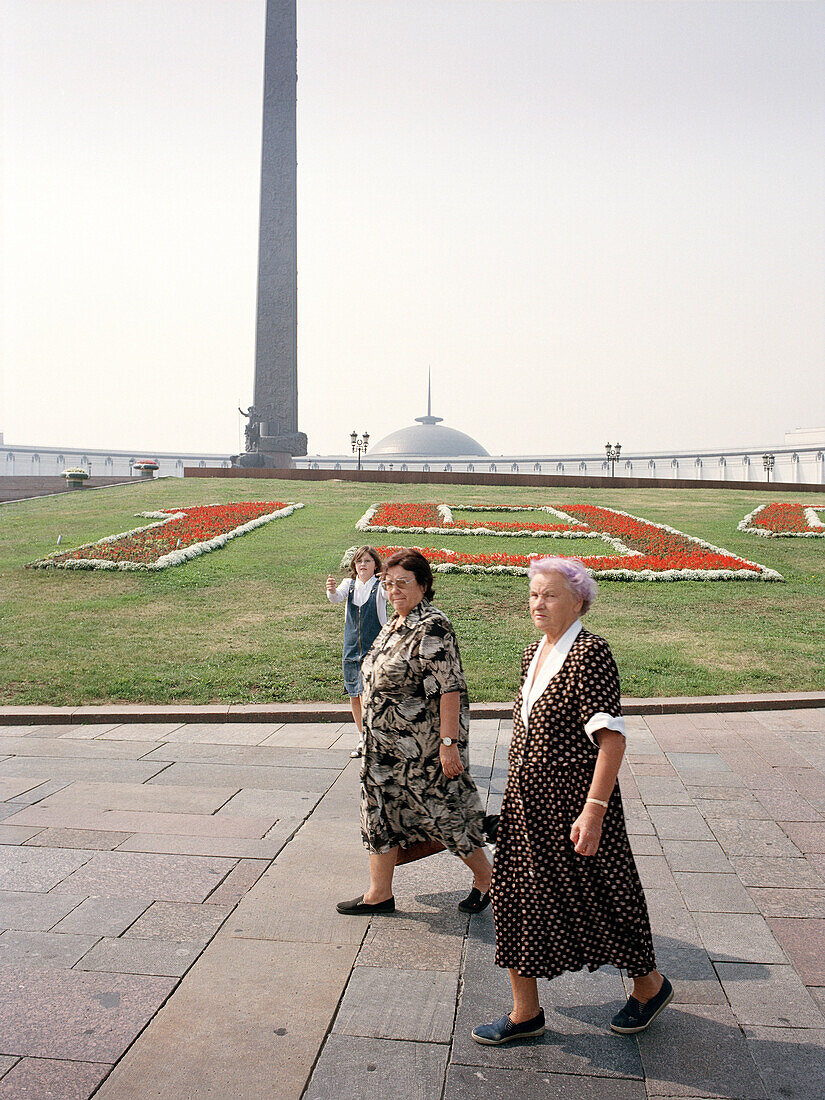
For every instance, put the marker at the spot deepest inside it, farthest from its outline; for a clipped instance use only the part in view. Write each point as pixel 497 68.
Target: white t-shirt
pixel 360 594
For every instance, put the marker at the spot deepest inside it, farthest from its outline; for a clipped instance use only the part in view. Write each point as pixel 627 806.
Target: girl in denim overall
pixel 366 613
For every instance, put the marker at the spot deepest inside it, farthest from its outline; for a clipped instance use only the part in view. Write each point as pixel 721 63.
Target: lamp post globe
pixel 359 445
pixel 612 455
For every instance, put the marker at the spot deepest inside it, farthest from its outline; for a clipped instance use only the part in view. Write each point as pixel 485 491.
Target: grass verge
pixel 251 623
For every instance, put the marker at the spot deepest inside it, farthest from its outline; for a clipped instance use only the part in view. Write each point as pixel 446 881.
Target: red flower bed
pixel 783 519
pixel 185 528
pixel 699 560
pixel 643 550
pixel 407 515
pixel 428 515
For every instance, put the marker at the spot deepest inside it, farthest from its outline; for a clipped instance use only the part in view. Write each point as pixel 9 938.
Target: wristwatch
pixel 448 741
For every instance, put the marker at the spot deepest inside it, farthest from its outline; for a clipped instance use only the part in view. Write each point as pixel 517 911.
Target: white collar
pixel 535 686
pixel 359 584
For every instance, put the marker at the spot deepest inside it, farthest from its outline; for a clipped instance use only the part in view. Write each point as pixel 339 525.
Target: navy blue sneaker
pixel 504 1030
pixel 636 1016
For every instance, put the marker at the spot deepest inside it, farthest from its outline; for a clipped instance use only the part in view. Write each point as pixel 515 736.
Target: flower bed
pixel 785 521
pixel 644 550
pixel 178 536
pixel 437 519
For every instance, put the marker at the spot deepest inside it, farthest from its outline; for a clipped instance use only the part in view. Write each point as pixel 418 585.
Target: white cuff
pixel 602 721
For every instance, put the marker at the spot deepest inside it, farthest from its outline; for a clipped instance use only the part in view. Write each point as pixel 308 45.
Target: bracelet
pixel 597 801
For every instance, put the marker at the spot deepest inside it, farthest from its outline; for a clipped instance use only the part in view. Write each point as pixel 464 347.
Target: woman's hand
pixel 450 761
pixel 331 585
pixel 586 832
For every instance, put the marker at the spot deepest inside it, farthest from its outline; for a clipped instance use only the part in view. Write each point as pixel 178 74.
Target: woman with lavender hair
pixel 565 890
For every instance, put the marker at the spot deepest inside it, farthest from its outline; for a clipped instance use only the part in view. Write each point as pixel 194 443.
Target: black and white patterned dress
pixel 405 796
pixel 556 910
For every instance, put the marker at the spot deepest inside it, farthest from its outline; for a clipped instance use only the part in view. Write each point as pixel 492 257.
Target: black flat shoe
pixel 504 1030
pixel 474 902
pixel 360 908
pixel 635 1016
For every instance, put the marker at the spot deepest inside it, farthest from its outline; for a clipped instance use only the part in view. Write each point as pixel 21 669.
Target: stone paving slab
pixel 390 1003
pixel 695 855
pixel 701 1052
pixel 390 943
pixel 738 937
pixel 179 920
pixel 43 788
pixel 47 1078
pixel 713 893
pixel 470 1083
pixel 227 1029
pixel 31 911
pixel 103 821
pixel 261 777
pixel 209 846
pixel 768 995
pixel 141 796
pixel 133 731
pixel 20 834
pixel 782 872
pixel 365 1069
pixel 100 916
pixel 803 941
pixel 222 733
pixel 781 902
pixel 275 756
pixel 39 869
pixel 241 878
pixel 133 875
pixel 80 749
pixel 101 840
pixel 134 955
pixel 791 1061
pixel 49 1013
pixel 69 770
pixel 258 803
pixel 12 786
pixel 44 948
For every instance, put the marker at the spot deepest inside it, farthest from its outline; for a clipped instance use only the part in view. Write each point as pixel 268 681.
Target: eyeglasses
pixel 389 583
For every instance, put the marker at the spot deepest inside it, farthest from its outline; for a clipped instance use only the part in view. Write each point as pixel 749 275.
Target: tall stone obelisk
pixel 272 421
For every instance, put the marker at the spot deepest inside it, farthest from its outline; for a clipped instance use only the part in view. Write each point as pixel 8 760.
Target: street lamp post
pixel 360 445
pixel 613 454
pixel 768 461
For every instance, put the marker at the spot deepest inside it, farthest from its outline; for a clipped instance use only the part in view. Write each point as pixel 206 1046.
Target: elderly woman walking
pixel 565 890
pixel 416 788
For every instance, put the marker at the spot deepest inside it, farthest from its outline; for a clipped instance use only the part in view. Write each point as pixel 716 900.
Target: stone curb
pixel 337 712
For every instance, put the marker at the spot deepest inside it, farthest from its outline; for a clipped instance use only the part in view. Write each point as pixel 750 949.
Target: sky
pixel 590 220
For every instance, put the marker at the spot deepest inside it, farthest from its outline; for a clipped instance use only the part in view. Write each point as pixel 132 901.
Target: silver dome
pixel 428 440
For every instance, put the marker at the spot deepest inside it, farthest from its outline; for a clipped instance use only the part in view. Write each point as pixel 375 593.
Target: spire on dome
pixel 429 418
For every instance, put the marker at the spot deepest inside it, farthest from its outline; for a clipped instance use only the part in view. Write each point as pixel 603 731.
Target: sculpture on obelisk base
pixel 272 435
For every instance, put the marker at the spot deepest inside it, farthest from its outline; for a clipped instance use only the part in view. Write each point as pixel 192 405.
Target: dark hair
pixel 414 562
pixel 360 553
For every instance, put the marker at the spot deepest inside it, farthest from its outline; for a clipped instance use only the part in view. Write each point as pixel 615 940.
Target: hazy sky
pixel 592 220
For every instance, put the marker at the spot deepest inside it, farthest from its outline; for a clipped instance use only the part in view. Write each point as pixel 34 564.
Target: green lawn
pixel 251 623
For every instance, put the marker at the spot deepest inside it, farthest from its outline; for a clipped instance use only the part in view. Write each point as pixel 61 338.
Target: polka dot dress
pixel 556 910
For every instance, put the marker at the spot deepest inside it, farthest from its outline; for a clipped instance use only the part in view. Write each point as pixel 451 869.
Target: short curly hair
pixel 575 575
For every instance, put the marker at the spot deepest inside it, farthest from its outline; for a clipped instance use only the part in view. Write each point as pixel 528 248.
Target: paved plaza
pixel 168 924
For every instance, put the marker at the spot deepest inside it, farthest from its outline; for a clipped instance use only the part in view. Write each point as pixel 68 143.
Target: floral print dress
pixel 405 797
